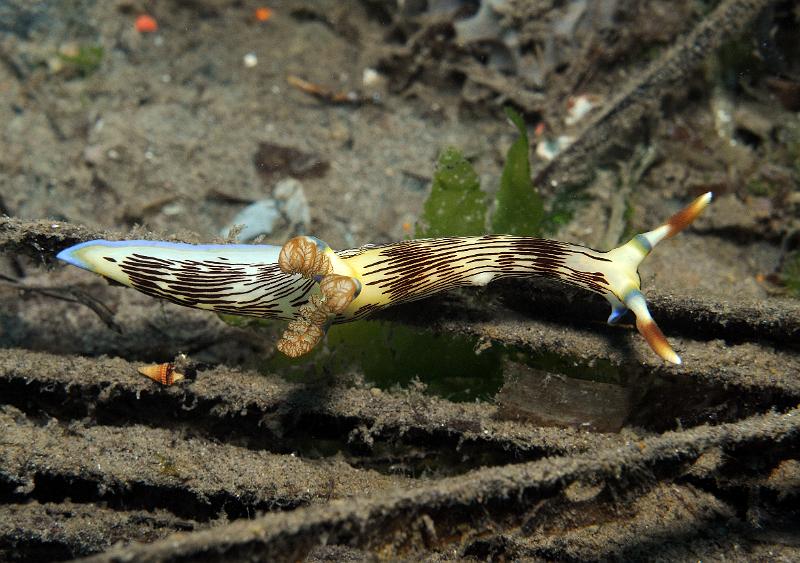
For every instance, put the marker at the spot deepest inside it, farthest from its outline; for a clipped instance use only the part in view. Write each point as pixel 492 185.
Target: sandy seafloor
pixel 160 140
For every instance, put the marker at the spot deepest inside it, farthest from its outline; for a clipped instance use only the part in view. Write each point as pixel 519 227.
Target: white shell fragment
pixel 547 149
pixel 579 106
pixel 287 209
pixel 370 77
pixel 250 60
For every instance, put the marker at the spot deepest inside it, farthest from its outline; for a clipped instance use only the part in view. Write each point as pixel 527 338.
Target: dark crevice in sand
pixel 405 433
pixel 49 487
pixel 149 468
pixel 76 530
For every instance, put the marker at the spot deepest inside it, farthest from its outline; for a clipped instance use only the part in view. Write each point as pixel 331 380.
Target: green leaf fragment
pixel 87 60
pixel 456 205
pixel 518 207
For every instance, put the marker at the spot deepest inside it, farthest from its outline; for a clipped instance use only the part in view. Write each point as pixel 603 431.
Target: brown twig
pixel 326 94
pixel 69 294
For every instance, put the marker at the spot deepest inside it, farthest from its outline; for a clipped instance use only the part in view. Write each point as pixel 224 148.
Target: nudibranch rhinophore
pixel 309 284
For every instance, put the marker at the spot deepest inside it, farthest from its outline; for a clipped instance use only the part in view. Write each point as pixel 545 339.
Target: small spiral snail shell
pixel 164 374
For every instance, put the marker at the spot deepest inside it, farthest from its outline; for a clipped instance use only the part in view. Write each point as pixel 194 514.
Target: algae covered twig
pixel 481 502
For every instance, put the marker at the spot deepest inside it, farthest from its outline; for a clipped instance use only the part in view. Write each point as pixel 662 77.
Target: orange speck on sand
pixel 407 227
pixel 263 14
pixel 146 24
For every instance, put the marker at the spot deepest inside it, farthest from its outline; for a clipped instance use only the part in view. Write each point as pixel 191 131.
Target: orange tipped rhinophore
pixel 164 374
pixel 679 221
pixel 685 216
pixel 629 256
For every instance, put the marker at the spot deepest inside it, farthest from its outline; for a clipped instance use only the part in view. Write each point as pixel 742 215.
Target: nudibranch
pixel 312 286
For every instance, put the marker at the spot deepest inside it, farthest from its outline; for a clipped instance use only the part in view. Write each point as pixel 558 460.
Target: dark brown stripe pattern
pixel 415 269
pixel 402 271
pixel 257 290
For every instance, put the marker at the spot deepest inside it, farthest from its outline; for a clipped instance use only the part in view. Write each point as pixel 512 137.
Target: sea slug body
pixel 309 284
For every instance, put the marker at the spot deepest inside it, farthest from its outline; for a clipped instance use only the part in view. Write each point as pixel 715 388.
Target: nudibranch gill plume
pixel 312 286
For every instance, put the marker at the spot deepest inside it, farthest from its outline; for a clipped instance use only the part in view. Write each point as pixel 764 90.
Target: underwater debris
pixel 527 39
pixel 72 294
pixel 287 210
pixel 787 91
pixel 275 161
pixel 146 24
pixel 371 78
pixel 250 60
pixel 256 219
pixel 81 60
pixel 548 149
pixel 548 399
pixel 579 107
pixel 328 95
pixel 262 14
pixel 575 164
pixel 484 25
